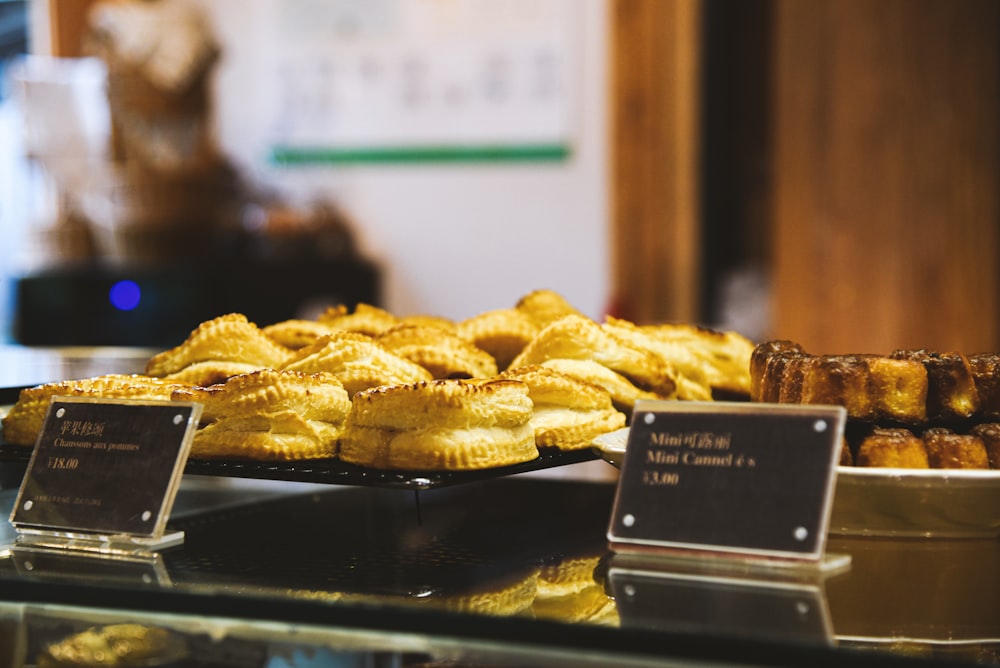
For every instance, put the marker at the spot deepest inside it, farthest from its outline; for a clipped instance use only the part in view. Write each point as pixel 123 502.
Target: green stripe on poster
pixel 330 156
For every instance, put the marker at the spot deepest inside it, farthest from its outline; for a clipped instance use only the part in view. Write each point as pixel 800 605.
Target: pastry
pixel 357 360
pixel 443 353
pixel 228 338
pixel 270 415
pixel 624 392
pixel 919 408
pixel 544 307
pixel 989 432
pixel 767 364
pixel 909 387
pixel 428 320
pixel 986 376
pixel 503 333
pixel 568 413
pixel 948 450
pixel 714 360
pixel 319 396
pixel 296 333
pixel 893 448
pixel 898 389
pixel 834 380
pixel 440 425
pixel 951 390
pixel 24 422
pixel 578 337
pixel 364 319
pixel 210 372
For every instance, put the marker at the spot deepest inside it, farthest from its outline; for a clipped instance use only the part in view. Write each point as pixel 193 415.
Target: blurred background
pixel 822 171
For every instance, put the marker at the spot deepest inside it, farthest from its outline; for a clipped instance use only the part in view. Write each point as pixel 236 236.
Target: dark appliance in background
pixel 158 306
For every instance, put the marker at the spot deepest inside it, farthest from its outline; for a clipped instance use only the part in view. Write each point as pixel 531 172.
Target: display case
pixel 511 568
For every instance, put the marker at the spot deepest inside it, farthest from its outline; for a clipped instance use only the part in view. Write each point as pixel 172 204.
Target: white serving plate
pixel 939 503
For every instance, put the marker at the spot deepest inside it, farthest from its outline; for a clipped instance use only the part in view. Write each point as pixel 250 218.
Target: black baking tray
pixel 336 472
pixel 332 470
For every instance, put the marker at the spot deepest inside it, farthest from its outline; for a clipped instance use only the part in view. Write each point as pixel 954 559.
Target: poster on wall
pixel 422 80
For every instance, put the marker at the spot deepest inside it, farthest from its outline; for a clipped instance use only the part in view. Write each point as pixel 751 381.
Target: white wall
pixel 452 239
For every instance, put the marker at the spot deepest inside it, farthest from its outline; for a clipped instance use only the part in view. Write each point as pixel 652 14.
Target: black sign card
pixel 106 466
pixel 728 477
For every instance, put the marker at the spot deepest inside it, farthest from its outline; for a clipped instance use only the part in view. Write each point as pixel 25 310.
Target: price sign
pixel 724 477
pixel 107 467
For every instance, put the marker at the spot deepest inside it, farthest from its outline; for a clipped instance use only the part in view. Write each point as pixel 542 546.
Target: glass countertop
pixel 520 563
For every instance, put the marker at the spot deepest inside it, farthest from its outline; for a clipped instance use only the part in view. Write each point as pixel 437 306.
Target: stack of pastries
pixel 417 392
pixel 908 409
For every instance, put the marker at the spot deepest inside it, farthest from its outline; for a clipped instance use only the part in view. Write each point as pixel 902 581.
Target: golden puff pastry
pixel 623 392
pixel 280 436
pixel 713 359
pixel 441 425
pixel 228 338
pixel 693 367
pixel 364 319
pixel 357 360
pixel 545 307
pixel 210 372
pixel 580 338
pixel 270 415
pixel 24 422
pixel 296 333
pixel 503 333
pixel 317 396
pixel 427 320
pixel 568 412
pixel 442 353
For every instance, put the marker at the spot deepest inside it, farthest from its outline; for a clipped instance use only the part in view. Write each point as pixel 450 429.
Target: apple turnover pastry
pixel 579 338
pixel 503 333
pixel 357 360
pixel 441 425
pixel 545 307
pixel 714 360
pixel 364 319
pixel 296 333
pixel 228 344
pixel 269 415
pixel 568 412
pixel 624 392
pixel 442 353
pixel 24 422
pixel 428 320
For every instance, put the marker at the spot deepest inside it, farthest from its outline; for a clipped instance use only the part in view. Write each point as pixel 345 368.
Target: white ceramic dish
pixel 940 503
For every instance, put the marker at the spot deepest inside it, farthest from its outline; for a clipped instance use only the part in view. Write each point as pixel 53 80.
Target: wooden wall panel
pixel 67 24
pixel 887 167
pixel 655 146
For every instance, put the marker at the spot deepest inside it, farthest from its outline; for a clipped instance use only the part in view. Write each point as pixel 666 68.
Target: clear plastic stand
pixel 137 567
pixel 112 545
pixel 723 564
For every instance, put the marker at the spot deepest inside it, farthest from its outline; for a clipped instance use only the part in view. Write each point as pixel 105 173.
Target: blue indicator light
pixel 125 295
